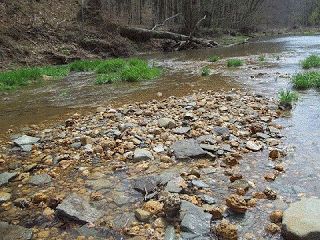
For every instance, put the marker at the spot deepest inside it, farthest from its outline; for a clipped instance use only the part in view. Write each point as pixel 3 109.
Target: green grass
pixel 312 61
pixel 262 58
pixel 234 62
pixel 24 76
pixel 107 71
pixel 287 98
pixel 205 71
pixel 306 80
pixel 214 58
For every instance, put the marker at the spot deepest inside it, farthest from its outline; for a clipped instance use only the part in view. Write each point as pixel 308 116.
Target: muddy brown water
pixel 78 93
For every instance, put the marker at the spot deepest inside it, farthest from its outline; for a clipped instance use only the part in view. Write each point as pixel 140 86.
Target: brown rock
pixel 216 212
pixel 274 154
pixel 226 231
pixel 237 204
pixel 153 207
pixel 273 228
pixel 276 216
pixel 142 215
pixel 39 197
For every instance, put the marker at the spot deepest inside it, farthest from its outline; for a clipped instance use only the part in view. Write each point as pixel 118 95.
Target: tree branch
pixel 168 19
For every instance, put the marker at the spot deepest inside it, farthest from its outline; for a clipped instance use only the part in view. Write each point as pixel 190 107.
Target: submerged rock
pixel 76 208
pixel 14 232
pixel 301 220
pixel 187 149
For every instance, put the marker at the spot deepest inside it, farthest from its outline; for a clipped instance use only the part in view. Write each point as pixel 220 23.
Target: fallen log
pixel 142 34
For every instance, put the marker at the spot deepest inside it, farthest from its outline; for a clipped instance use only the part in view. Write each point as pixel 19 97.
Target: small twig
pixel 162 24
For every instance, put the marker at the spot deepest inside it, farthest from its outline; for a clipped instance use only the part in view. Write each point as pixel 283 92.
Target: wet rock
pixel 194 221
pixel 4 197
pixel 199 184
pixel 25 142
pixel 208 199
pixel 301 220
pixel 147 184
pixel 170 233
pixel 187 149
pixel 222 131
pixel 76 208
pixel 97 233
pixel 241 183
pixel 273 228
pixel 175 185
pixel 274 154
pixel 166 123
pixel 142 155
pixel 271 194
pixel 181 130
pixel 40 180
pixel 237 203
pixel 14 232
pixel 142 215
pixel 270 176
pixel 276 216
pixel 21 203
pixel 253 146
pixel 6 177
pixel 226 231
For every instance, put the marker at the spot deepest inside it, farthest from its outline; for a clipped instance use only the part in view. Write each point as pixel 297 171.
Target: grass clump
pixel 234 62
pixel 287 98
pixel 214 58
pixel 306 80
pixel 312 61
pixel 262 58
pixel 205 72
pixel 84 65
pixel 24 76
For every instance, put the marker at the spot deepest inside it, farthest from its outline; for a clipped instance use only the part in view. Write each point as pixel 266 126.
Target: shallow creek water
pixel 302 126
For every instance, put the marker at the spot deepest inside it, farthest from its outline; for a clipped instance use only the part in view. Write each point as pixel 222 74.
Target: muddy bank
pixel 145 169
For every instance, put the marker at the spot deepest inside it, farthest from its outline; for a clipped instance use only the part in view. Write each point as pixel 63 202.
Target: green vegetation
pixel 214 58
pixel 287 98
pixel 312 61
pixel 234 62
pixel 306 80
pixel 261 58
pixel 205 71
pixel 24 76
pixel 107 71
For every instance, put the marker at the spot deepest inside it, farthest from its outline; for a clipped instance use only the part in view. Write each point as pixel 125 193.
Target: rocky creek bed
pixel 169 169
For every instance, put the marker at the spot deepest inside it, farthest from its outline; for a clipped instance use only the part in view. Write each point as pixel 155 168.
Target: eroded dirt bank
pixel 145 171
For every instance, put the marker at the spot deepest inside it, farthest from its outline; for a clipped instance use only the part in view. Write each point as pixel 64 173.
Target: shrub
pixel 214 58
pixel 306 80
pixel 261 58
pixel 234 62
pixel 287 98
pixel 312 61
pixel 205 71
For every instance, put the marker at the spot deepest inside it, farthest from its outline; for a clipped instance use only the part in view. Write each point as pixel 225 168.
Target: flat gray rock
pixel 166 123
pixel 181 130
pixel 142 155
pixel 147 184
pixel 6 177
pixel 194 221
pixel 188 149
pixel 170 233
pixel 26 142
pixel 40 180
pixel 199 184
pixel 76 208
pixel 14 232
pixel 174 185
pixel 301 221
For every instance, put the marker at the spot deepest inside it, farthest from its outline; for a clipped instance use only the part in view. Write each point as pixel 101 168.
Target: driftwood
pixel 147 34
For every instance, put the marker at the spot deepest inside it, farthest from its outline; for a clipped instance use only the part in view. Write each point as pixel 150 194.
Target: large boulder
pixel 188 149
pixel 301 221
pixel 76 208
pixel 14 232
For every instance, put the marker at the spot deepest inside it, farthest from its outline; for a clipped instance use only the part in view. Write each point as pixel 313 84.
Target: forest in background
pixel 57 32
